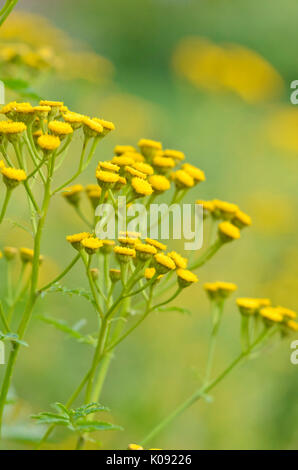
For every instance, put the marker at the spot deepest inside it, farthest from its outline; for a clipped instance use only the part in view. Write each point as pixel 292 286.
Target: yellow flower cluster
pixel 271 315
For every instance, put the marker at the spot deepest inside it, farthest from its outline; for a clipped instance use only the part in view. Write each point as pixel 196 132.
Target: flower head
pixel 241 219
pixel 163 164
pixel 141 187
pixel 115 275
pixel 48 143
pixel 144 251
pixel 120 149
pixel 163 263
pixel 248 306
pixel 72 193
pixel 224 210
pixel 106 179
pixel 271 314
pixel 27 255
pixel 75 240
pixel 132 172
pixel 159 183
pixel 149 147
pixel 91 244
pixel 144 168
pixel 293 325
pixel 159 246
pixel 92 128
pixel 13 176
pixel 197 174
pixel 287 312
pixel 208 207
pixel 186 277
pixel 228 232
pixel 74 119
pixel 123 160
pixel 108 166
pixel 107 246
pixel 124 254
pixel 135 447
pixel 10 252
pixel 179 261
pixel 182 179
pixel 174 154
pixel 60 129
pixel 52 104
pixel 107 125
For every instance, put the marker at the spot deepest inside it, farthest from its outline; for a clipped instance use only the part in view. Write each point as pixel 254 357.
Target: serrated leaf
pixel 62 408
pixel 70 292
pixel 51 418
pixel 174 309
pixel 87 410
pixel 62 325
pixel 92 426
pixel 13 337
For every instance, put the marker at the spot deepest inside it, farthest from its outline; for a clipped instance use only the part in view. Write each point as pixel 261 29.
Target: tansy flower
pixel 228 232
pixel 211 289
pixel 107 246
pixel 124 254
pixel 13 176
pixel 286 312
pixel 141 187
pixel 182 179
pixel 12 130
pixel 241 219
pixel 163 164
pixel 94 273
pixel 223 209
pixel 108 166
pixel 75 240
pixel 150 272
pixel 135 447
pixel 91 244
pixel 122 160
pixel 159 183
pixel 74 119
pixel 42 111
pixel 61 129
pixel 127 241
pixel 224 289
pixel 120 149
pixel 115 275
pixel 72 193
pixel 27 255
pixel 179 261
pixel 186 277
pixel 106 179
pixel 92 128
pixel 174 154
pixel 48 143
pixel 271 314
pixel 144 168
pixel 52 104
pixel 197 174
pixel 144 251
pixel 208 207
pixel 137 157
pixel 292 325
pixel 159 246
pixel 107 125
pixel 10 252
pixel 247 305
pixel 132 172
pixel 92 187
pixel 163 263
pixel 149 147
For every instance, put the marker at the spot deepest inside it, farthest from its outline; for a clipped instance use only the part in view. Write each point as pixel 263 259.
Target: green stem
pixel 82 217
pixel 61 275
pixel 32 295
pixel 5 203
pixel 3 318
pixel 201 392
pixel 209 253
pixel 168 300
pixel 217 310
pixel 9 6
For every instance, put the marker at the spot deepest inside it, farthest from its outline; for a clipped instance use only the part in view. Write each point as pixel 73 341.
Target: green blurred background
pixel 243 134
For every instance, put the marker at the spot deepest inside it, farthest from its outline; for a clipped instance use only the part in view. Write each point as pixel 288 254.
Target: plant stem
pixel 202 391
pixel 217 310
pixel 7 9
pixel 64 272
pixel 209 253
pixel 5 203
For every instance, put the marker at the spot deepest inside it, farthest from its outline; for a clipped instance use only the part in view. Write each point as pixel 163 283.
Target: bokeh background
pixel 211 79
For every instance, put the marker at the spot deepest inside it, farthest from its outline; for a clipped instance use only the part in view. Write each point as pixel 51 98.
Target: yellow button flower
pixel 271 314
pixel 174 154
pixel 27 255
pixel 141 187
pixel 183 180
pixel 158 245
pixel 247 305
pixel 135 447
pixel 224 210
pixel 132 172
pixel 60 129
pixel 144 251
pixel 92 128
pixel 144 168
pixel 115 275
pixel 159 183
pixel 149 147
pixel 124 254
pixel 91 244
pixel 120 149
pixel 106 179
pixel 75 240
pixel 179 261
pixel 108 166
pixel 107 125
pixel 48 143
pixel 72 193
pixel 13 176
pixel 163 164
pixel 292 325
pixel 123 160
pixel 186 277
pixel 163 263
pixel 228 232
pixel 241 219
pixel 197 174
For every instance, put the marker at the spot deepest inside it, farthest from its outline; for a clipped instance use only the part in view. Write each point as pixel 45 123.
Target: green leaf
pixel 60 407
pixel 13 337
pixel 51 418
pixel 62 325
pixel 91 426
pixel 57 287
pixel 87 410
pixel 174 309
pixel 22 87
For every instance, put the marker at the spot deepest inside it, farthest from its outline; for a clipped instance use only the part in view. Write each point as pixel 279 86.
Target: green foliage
pixel 76 420
pixel 57 287
pixel 12 337
pixel 72 331
pixel 20 86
